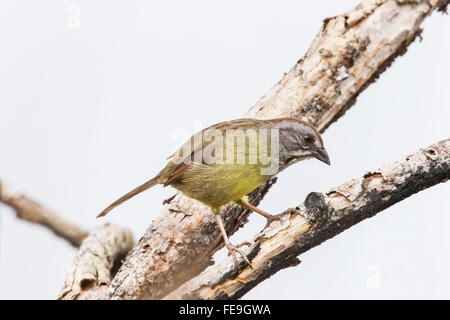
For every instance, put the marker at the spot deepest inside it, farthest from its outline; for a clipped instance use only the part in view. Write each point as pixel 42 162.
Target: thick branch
pixel 319 218
pixel 348 54
pixel 28 209
pixel 96 262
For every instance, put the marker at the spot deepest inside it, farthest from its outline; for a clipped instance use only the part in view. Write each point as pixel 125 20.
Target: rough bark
pixel 96 262
pixel 348 54
pixel 29 210
pixel 319 218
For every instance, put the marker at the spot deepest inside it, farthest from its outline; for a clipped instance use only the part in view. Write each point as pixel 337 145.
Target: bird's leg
pixel 231 249
pixel 270 217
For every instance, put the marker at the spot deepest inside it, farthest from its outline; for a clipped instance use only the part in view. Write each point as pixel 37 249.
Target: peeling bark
pixel 319 218
pixel 96 262
pixel 29 210
pixel 347 55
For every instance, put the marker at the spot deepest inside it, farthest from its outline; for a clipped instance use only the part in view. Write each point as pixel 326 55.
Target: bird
pixel 225 162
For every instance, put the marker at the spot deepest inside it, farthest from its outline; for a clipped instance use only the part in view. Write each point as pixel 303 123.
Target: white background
pixel 88 113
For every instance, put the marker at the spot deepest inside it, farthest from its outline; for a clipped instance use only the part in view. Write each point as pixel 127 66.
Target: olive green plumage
pixel 216 183
pixel 228 160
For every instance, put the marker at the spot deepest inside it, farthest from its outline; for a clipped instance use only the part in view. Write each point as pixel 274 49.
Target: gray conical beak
pixel 322 155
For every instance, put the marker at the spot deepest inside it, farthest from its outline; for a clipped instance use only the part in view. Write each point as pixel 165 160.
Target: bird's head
pixel 299 141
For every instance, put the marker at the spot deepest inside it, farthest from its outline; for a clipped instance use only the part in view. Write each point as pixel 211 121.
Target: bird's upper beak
pixel 322 155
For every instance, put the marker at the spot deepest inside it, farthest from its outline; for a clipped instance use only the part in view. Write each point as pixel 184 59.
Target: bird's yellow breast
pixel 216 185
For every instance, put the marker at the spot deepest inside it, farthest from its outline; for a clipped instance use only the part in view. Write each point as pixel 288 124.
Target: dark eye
pixel 309 139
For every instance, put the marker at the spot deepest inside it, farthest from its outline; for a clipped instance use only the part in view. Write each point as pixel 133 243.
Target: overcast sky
pixel 91 107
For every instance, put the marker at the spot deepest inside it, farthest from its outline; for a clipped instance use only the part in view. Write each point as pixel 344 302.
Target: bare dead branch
pixel 348 54
pixel 29 210
pixel 319 218
pixel 95 264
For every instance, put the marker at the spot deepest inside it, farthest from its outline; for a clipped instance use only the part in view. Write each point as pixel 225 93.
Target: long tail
pixel 132 193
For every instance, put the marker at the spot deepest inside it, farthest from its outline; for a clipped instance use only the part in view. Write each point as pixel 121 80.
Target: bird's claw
pixel 232 252
pixel 271 218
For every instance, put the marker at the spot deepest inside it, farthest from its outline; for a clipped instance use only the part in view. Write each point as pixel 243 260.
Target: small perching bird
pixel 228 160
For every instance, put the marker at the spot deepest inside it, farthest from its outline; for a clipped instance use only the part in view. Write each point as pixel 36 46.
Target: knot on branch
pixel 316 208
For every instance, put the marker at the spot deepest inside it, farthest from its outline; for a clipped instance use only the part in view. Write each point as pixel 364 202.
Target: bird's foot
pixel 232 252
pixel 271 218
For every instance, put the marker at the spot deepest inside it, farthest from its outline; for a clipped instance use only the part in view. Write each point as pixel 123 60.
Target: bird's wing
pixel 182 161
pixel 198 143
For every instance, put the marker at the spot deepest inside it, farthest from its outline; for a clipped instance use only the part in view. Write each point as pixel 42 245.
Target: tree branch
pixel 29 210
pixel 347 55
pixel 319 218
pixel 96 262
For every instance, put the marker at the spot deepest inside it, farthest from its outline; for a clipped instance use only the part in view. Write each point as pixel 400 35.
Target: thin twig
pixel 29 210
